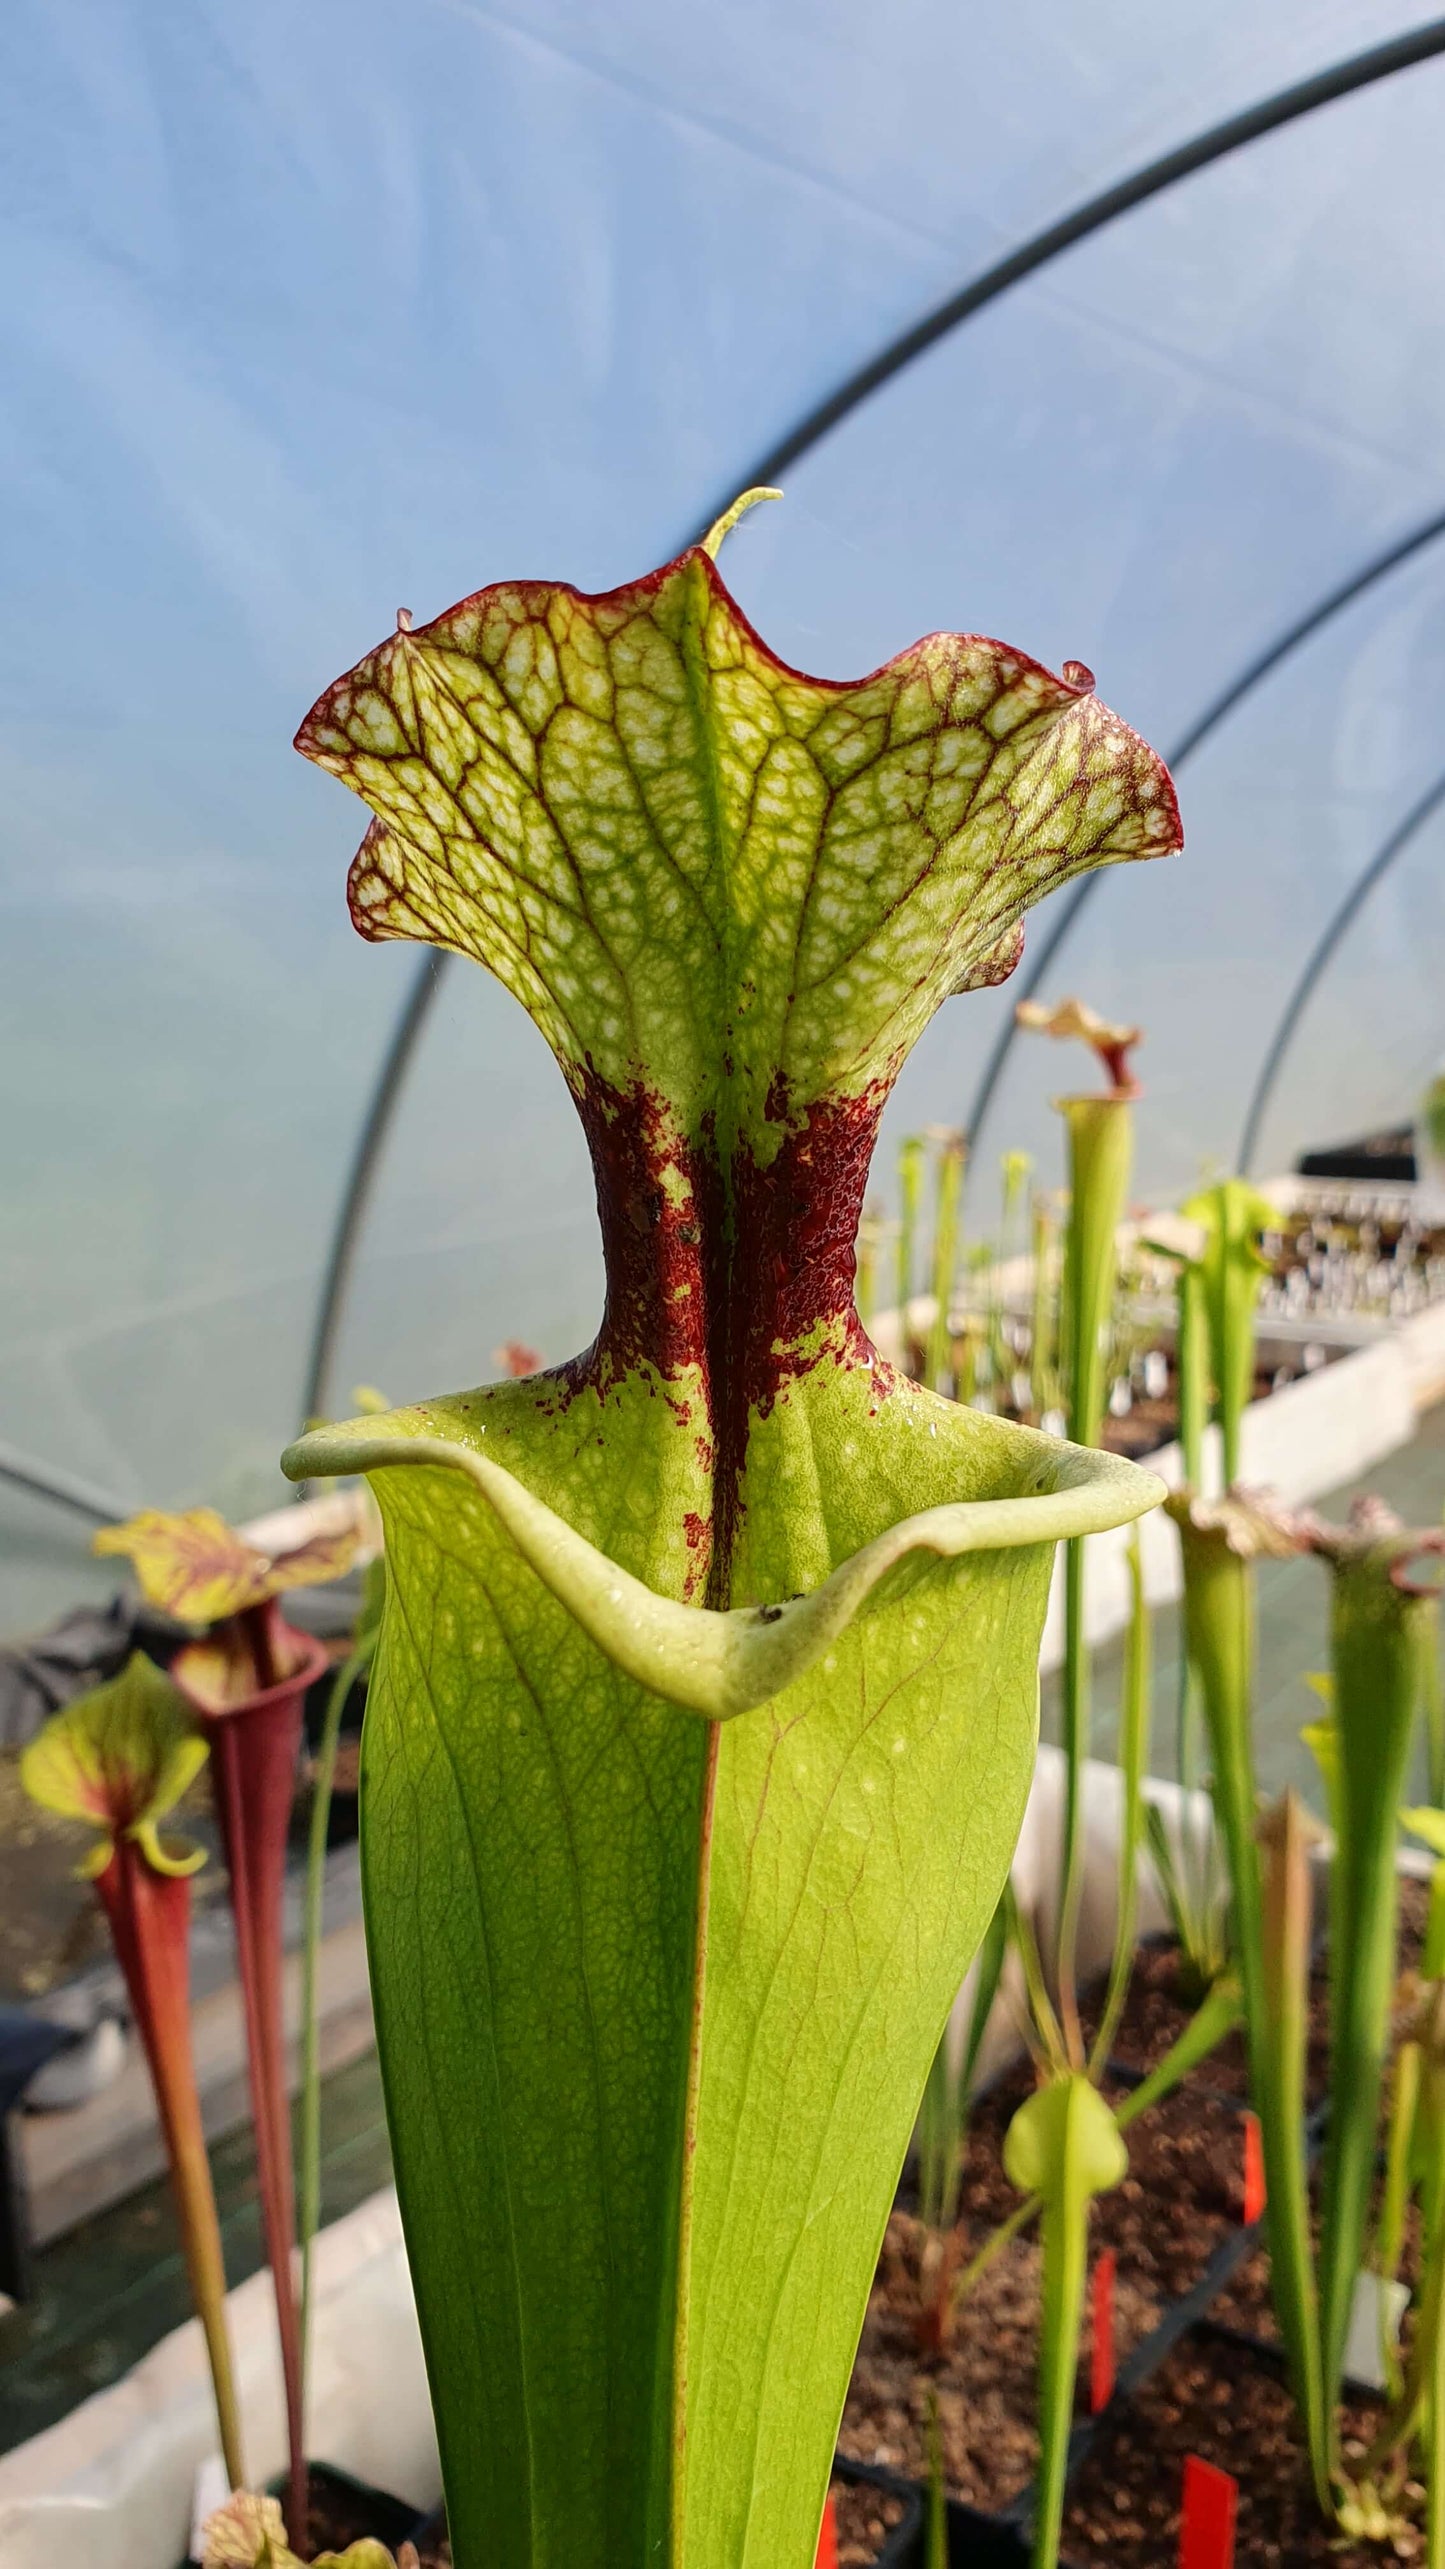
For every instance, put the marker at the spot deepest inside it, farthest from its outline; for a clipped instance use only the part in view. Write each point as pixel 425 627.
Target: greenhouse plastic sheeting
pixel 315 313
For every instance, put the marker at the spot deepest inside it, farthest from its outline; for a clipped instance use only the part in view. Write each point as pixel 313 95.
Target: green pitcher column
pixel 704 1711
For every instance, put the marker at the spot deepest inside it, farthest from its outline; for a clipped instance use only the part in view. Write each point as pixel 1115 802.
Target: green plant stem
pixel 1022 2215
pixel 1395 2192
pixel 1191 1366
pixel 1375 1637
pixel 1192 1373
pixel 1219 1626
pixel 309 2149
pixel 1195 1909
pixel 1219 1632
pixel 1287 1913
pixel 1133 1760
pixel 1418 2400
pixel 1076 1730
pixel 1432 1699
pixel 1065 2257
pixel 1436 2472
pixel 1101 1145
pixel 912 1155
pixel 1212 2023
pixel 1238 1294
pixel 943 2120
pixel 1042 1387
pixel 936 2550
pixel 945 1256
pixel 936 2127
pixel 1233 1270
pixel 1064 2144
pixel 1041 2014
pixel 1430 2115
pixel 1101 1142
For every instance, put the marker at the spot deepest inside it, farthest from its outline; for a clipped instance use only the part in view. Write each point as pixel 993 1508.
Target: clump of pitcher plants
pixel 245 1679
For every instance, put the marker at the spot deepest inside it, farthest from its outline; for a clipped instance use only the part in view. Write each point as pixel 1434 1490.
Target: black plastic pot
pixel 368 2512
pixel 904 2546
pixel 1001 2541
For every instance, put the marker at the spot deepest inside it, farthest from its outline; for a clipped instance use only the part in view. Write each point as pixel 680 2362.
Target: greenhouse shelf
pixel 1370 1379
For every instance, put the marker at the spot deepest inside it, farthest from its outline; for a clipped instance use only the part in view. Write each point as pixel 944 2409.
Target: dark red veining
pixel 727 1269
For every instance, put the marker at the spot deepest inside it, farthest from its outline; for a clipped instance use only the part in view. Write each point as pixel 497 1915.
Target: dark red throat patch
pixel 727 1269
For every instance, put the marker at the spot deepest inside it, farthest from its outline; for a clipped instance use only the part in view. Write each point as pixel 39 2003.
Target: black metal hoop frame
pixel 1260 668
pixel 1341 80
pixel 1401 837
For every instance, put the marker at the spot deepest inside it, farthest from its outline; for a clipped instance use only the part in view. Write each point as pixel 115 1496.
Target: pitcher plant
pixel 705 1704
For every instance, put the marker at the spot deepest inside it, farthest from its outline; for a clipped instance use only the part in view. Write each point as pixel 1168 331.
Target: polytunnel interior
pixel 301 337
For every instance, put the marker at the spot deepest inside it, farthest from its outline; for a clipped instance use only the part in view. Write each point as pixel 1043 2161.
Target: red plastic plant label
pixel 1254 2187
pixel 1101 2332
pixel 1206 2523
pixel 828 2537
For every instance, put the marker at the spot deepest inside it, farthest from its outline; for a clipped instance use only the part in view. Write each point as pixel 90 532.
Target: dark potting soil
pixel 1246 2302
pixel 1158 2009
pixel 985 2385
pixel 1182 2196
pixel 865 2518
pixel 341 2511
pixel 1232 2408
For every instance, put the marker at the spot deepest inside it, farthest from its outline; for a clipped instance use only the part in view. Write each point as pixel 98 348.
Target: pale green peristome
pixel 120 1758
pixel 704 1712
pixel 726 1663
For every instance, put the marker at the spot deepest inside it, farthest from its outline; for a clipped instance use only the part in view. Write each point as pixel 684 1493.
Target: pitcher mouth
pixel 720 1662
